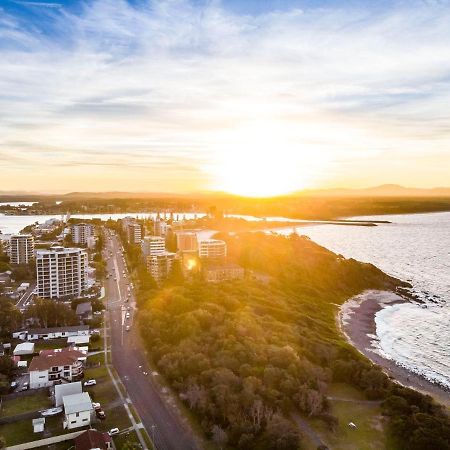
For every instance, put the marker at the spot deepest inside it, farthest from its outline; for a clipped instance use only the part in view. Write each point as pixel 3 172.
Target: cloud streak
pixel 196 86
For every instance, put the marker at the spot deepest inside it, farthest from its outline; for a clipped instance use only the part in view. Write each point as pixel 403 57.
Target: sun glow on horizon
pixel 263 159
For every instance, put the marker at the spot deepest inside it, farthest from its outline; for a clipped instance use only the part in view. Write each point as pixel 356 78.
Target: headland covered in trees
pixel 248 356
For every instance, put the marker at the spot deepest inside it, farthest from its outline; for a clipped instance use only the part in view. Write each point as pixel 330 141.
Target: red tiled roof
pixel 92 439
pixel 49 359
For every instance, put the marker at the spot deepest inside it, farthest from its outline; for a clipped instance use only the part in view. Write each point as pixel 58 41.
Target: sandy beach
pixel 357 322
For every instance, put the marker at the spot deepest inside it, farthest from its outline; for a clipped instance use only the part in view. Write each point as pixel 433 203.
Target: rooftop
pixel 49 358
pixel 77 403
pixel 92 439
pixel 57 329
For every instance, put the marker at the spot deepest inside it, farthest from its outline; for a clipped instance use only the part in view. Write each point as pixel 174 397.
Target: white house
pixel 63 390
pixel 53 366
pixel 77 410
pixel 51 333
pixel 24 348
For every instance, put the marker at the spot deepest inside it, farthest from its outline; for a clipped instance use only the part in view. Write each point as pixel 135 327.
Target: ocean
pixel 414 248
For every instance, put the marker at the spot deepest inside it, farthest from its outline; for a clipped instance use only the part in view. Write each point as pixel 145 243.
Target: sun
pixel 261 160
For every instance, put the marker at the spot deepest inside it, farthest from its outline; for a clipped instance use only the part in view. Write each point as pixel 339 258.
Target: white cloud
pixel 167 81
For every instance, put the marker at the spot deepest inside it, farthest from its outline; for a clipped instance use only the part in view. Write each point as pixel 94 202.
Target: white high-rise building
pixel 212 249
pixel 82 233
pixel 61 272
pixel 21 248
pixel 153 245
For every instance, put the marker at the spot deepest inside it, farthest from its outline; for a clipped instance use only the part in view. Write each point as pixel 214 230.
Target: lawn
pixel 25 404
pixel 22 431
pixel 369 434
pixel 127 440
pixel 115 417
pixel 49 344
pixel 103 392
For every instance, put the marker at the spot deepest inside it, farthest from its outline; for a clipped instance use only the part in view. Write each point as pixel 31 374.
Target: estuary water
pixel 414 248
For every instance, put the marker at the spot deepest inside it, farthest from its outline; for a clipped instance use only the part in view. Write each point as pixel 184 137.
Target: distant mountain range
pixel 385 190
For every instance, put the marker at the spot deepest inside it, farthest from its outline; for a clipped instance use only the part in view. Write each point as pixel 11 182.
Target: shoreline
pixel 356 320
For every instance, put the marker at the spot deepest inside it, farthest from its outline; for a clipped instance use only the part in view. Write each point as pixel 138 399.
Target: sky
pixel 252 97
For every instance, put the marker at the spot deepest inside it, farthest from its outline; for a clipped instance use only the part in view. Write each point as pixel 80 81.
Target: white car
pixel 113 431
pixel 127 315
pixel 127 328
pixel 89 383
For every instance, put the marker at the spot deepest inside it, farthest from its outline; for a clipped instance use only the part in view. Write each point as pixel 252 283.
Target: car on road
pixel 89 383
pixel 127 315
pixel 113 431
pixel 127 328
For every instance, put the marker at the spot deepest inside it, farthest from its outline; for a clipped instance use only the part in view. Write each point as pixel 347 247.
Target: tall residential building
pixel 134 233
pixel 160 265
pixel 21 248
pixel 187 241
pixel 82 233
pixel 153 245
pixel 212 249
pixel 159 227
pixel 61 272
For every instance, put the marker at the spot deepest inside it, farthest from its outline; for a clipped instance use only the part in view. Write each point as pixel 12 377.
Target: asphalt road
pixel 23 300
pixel 128 357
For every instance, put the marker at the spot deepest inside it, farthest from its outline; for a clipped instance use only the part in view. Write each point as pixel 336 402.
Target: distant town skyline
pixel 253 98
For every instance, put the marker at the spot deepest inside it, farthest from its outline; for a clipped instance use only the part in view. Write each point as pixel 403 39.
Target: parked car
pixel 96 406
pixel 127 328
pixel 25 386
pixel 127 315
pixel 14 384
pixel 100 414
pixel 89 383
pixel 113 431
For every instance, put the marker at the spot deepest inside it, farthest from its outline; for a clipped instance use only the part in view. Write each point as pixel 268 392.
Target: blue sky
pixel 180 95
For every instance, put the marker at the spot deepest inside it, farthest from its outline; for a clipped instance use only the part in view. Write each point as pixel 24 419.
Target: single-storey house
pixel 84 311
pixel 52 333
pixel 24 348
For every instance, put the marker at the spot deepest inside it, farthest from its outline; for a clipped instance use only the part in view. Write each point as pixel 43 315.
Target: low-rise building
pixel 78 410
pixel 84 311
pixel 51 333
pixel 52 367
pixel 24 348
pixel 225 272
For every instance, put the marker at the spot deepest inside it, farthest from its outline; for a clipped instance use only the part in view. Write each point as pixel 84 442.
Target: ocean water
pixel 414 248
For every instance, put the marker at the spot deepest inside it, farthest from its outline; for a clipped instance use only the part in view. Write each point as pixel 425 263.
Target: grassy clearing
pixel 369 434
pixel 50 344
pixel 21 405
pixel 342 390
pixel 115 417
pixel 21 431
pixel 103 392
pixel 99 372
pixel 127 440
